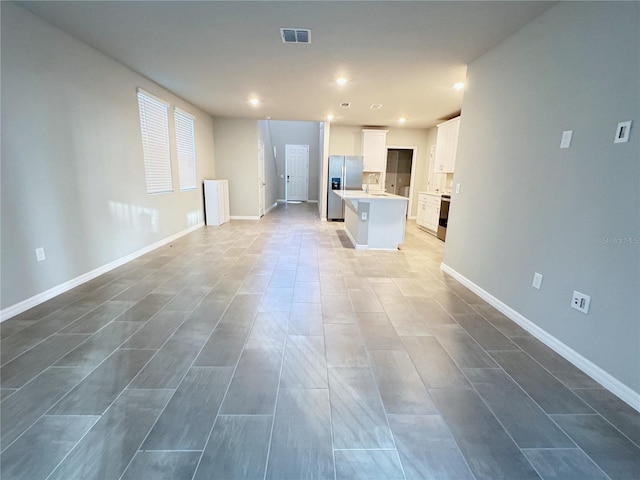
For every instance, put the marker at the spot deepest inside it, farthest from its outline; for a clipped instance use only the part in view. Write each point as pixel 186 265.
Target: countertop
pixel 362 195
pixel 436 194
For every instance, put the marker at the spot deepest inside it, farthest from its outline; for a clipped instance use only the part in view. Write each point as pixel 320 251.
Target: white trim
pixel 353 242
pixel 312 201
pixel 151 95
pixel 609 382
pixel 244 217
pixel 414 167
pixel 185 113
pixel 31 302
pixel 262 181
pixel 275 204
pixel 359 246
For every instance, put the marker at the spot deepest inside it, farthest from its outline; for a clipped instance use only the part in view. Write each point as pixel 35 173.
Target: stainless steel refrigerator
pixel 345 173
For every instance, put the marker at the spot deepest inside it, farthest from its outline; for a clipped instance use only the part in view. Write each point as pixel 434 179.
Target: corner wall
pixel 236 153
pixel 270 168
pixel 573 215
pixel 72 166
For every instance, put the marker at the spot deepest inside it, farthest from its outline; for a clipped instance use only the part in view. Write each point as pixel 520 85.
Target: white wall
pixel 573 215
pixel 72 165
pixel 236 154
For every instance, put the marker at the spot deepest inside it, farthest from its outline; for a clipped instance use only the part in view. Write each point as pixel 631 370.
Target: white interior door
pixel 262 183
pixel 297 172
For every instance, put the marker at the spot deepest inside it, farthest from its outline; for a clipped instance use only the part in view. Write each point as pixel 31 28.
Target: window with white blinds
pixel 186 147
pixel 154 125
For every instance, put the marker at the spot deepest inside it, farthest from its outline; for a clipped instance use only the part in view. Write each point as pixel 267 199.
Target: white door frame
pixel 414 161
pixel 286 171
pixel 262 181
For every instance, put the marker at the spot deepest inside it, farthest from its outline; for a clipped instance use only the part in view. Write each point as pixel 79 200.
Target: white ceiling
pixel 216 54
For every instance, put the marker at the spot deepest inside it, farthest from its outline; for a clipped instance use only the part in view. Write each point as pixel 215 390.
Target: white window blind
pixel 154 125
pixel 186 147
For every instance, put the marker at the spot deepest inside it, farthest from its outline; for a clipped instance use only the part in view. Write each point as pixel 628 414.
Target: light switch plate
pixel 565 142
pixel 537 281
pixel 40 256
pixel 622 132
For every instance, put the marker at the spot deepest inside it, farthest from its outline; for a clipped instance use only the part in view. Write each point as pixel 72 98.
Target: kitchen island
pixel 374 220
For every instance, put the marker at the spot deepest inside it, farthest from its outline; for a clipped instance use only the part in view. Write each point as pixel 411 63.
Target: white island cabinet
pixel 374 220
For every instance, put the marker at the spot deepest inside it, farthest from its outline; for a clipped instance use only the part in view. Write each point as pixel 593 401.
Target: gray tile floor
pixel 273 350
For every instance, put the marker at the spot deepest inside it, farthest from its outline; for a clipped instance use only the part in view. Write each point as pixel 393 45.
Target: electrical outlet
pixel 580 302
pixel 537 281
pixel 40 256
pixel 622 132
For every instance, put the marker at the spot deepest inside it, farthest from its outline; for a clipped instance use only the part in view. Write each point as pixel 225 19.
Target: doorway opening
pixel 296 163
pixel 400 172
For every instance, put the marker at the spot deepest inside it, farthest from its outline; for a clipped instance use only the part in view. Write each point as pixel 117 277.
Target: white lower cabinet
pixel 374 150
pixel 216 201
pixel 428 211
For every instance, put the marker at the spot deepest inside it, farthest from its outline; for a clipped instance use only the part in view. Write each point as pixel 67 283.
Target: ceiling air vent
pixel 345 105
pixel 375 106
pixel 295 35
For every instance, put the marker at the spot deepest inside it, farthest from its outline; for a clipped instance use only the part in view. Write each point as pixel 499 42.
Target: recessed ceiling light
pixel 329 117
pixel 341 80
pixel 458 86
pixel 402 119
pixel 375 106
pixel 254 101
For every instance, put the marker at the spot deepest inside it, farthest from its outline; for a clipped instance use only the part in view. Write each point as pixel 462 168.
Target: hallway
pixel 272 349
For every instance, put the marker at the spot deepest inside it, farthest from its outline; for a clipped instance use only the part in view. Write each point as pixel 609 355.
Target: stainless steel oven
pixel 445 202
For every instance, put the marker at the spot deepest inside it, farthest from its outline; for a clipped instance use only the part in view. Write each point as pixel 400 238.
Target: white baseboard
pixel 275 204
pixel 244 217
pixel 353 241
pixel 31 302
pixel 609 382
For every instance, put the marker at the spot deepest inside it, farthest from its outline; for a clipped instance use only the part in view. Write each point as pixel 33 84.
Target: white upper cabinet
pixel 446 146
pixel 374 150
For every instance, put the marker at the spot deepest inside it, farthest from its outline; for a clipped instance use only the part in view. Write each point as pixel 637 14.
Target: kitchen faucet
pixel 369 180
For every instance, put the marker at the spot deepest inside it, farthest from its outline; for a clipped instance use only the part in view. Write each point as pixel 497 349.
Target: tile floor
pixel 273 350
